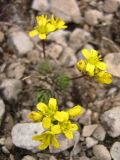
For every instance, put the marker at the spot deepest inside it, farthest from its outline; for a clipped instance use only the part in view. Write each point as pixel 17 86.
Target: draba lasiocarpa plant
pixel 55 121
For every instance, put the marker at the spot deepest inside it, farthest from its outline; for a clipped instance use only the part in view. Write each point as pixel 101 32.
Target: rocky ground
pixel 91 24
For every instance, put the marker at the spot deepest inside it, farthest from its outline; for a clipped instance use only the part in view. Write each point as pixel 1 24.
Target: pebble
pixel 19 41
pixel 8 143
pixel 85 119
pixel 78 38
pixel 115 151
pixel 5 150
pixel 88 130
pixel 2 141
pixel 111 6
pixel 64 143
pixel 2 110
pixel 92 17
pixel 28 158
pixel 101 152
pixel 33 56
pixel 40 5
pixel 2 36
pixel 22 135
pixel 90 142
pixel 11 88
pixel 84 158
pixel 112 61
pixel 111 121
pixel 67 10
pixel 99 133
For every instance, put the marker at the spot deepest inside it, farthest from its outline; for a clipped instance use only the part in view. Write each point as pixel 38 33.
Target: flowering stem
pixel 43 45
pixel 77 77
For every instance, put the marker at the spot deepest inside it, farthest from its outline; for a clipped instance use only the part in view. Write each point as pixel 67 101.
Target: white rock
pixel 11 88
pixel 90 142
pixel 111 6
pixel 99 133
pixel 64 143
pixel 101 152
pixel 78 38
pixel 113 63
pixel 88 130
pixel 93 16
pixel 115 151
pixel 40 5
pixel 2 110
pixel 19 41
pixel 1 37
pixel 28 158
pixel 67 10
pixel 111 120
pixel 22 135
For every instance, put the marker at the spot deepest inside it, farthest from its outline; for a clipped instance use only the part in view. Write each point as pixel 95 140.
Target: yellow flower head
pixel 35 116
pixel 104 77
pixel 75 111
pixel 44 26
pixel 81 65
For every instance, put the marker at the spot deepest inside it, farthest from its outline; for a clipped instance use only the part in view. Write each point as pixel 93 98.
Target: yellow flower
pixel 93 61
pixel 42 28
pixel 47 112
pixel 58 23
pixel 35 116
pixel 61 116
pixel 104 77
pixel 75 111
pixel 67 128
pixel 46 139
pixel 81 65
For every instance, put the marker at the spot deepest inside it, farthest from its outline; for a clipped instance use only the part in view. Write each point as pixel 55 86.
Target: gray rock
pixel 113 63
pixel 2 36
pixel 19 41
pixel 101 152
pixel 111 6
pixel 5 150
pixel 88 130
pixel 8 143
pixel 85 119
pixel 22 135
pixel 90 142
pixel 11 88
pixel 2 110
pixel 28 158
pixel 34 56
pixel 84 158
pixel 99 133
pixel 67 10
pixel 64 143
pixel 92 17
pixel 78 38
pixel 115 151
pixel 111 120
pixel 40 5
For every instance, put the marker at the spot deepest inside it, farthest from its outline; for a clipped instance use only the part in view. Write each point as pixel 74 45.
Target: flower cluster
pixel 94 67
pixel 45 26
pixel 54 122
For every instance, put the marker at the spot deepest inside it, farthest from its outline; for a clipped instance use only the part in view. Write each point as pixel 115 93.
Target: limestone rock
pixel 115 151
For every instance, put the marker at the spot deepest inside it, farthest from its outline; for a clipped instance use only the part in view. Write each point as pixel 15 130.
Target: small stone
pixel 22 135
pixel 113 63
pixel 85 119
pixel 24 113
pixel 67 10
pixel 19 41
pixel 5 150
pixel 92 17
pixel 64 143
pixel 52 158
pixel 111 6
pixel 68 57
pixel 12 157
pixel 2 110
pixel 2 141
pixel 99 133
pixel 33 56
pixel 101 152
pixel 84 158
pixel 111 121
pixel 11 88
pixel 78 38
pixel 90 142
pixel 40 5
pixel 115 151
pixel 1 37
pixel 88 130
pixel 8 143
pixel 28 158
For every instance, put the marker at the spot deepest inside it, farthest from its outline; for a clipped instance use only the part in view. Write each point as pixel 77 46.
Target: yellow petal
pixel 42 107
pixel 90 69
pixel 35 116
pixel 50 28
pixel 52 104
pixel 55 142
pixel 104 77
pixel 74 127
pixel 42 36
pixel 61 116
pixel 56 129
pixel 46 122
pixel 101 65
pixel 38 137
pixel 45 143
pixel 86 53
pixel 68 134
pixel 75 111
pixel 33 33
pixel 80 65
